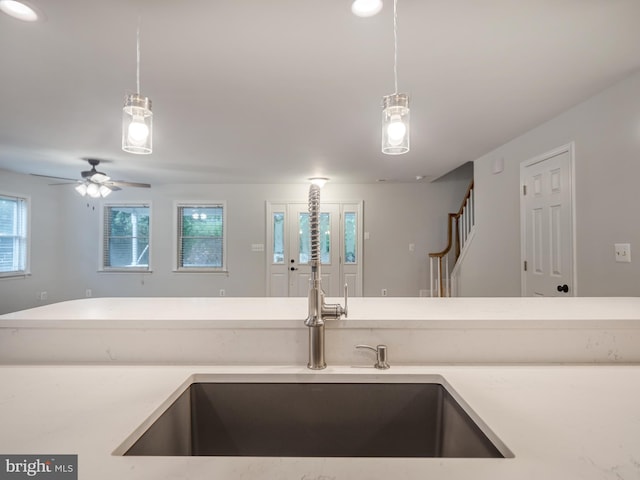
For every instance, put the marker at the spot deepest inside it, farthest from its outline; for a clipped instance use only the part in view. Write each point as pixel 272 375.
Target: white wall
pixel 606 132
pixel 47 272
pixel 395 215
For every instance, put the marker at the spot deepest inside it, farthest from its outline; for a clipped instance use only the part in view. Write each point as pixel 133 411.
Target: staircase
pixel 460 228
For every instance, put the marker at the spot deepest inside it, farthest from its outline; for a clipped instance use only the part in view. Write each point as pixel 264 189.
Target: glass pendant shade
pixel 395 124
pixel 137 125
pixel 82 189
pixel 104 191
pixel 93 190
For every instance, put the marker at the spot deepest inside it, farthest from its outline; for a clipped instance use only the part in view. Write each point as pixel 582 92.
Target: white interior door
pixel 288 249
pixel 547 225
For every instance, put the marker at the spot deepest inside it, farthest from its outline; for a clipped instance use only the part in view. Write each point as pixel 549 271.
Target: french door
pixel 289 250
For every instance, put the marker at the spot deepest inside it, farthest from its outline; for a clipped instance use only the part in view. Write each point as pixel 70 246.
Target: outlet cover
pixel 623 252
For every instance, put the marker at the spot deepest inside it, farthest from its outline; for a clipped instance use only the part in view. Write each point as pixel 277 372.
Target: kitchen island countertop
pixel 271 331
pixel 561 422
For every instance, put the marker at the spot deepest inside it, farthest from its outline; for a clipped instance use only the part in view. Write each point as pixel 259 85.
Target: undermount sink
pixel 315 419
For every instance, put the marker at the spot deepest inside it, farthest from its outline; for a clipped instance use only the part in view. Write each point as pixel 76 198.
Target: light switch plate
pixel 623 252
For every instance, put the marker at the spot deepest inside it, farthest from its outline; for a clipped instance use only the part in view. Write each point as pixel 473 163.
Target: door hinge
pixel 525 265
pixel 524 189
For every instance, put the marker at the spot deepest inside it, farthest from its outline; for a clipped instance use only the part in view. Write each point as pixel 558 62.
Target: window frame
pixel 104 238
pixel 26 200
pixel 177 237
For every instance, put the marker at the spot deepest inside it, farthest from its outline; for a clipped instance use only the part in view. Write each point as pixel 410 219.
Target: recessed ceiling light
pixel 18 10
pixel 366 8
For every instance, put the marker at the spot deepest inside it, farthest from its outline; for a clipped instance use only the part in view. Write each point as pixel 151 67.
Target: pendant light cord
pixel 138 58
pixel 395 44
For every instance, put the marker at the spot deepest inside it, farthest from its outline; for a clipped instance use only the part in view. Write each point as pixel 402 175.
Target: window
pixel 304 230
pixel 278 237
pixel 350 237
pixel 201 239
pixel 126 237
pixel 14 242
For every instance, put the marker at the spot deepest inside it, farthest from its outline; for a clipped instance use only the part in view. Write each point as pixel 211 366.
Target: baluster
pixel 465 219
pixel 472 208
pixel 431 276
pixel 439 276
pixel 446 270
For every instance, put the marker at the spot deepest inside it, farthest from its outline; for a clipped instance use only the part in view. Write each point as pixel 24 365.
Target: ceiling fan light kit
pixel 94 190
pixel 95 184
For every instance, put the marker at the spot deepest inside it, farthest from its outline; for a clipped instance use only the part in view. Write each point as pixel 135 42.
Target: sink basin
pixel 315 419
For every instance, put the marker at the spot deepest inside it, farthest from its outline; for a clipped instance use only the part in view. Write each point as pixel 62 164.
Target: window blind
pixel 13 235
pixel 126 236
pixel 201 240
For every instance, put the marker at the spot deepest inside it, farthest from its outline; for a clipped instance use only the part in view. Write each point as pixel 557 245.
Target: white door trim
pixel 570 149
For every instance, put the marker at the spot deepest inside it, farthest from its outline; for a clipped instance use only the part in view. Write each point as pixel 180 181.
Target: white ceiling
pixel 276 91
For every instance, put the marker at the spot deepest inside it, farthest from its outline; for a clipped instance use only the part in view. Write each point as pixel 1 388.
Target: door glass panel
pixel 325 238
pixel 304 239
pixel 350 235
pixel 278 237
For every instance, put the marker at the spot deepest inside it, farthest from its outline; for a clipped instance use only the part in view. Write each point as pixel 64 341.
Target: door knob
pixel 563 288
pixel 293 269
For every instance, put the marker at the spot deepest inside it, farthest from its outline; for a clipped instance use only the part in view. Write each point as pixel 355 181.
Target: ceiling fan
pixel 94 183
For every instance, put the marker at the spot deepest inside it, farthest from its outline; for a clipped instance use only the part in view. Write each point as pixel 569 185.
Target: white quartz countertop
pixel 271 331
pixel 561 422
pixel 265 312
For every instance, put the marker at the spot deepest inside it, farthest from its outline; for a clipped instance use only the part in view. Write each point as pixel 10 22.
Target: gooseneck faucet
pixel 319 311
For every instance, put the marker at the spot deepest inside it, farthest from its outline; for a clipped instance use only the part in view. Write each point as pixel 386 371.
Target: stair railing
pixel 459 226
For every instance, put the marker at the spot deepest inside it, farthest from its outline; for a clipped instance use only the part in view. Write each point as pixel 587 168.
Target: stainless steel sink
pixel 315 419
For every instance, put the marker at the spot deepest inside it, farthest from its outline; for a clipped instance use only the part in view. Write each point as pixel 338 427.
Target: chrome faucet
pixel 319 311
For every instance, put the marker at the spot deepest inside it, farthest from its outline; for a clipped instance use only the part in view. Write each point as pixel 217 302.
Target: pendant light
pixel 137 118
pixel 395 107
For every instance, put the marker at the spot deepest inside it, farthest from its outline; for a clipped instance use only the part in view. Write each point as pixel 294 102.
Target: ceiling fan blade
pixel 57 178
pixel 129 184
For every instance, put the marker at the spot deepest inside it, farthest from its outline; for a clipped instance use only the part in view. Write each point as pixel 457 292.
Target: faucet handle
pixel 345 310
pixel 381 355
